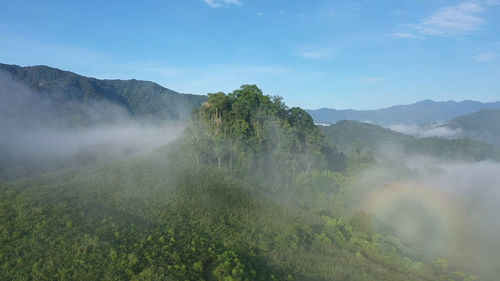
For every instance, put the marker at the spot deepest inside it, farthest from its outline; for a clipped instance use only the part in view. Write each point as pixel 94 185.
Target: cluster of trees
pixel 246 132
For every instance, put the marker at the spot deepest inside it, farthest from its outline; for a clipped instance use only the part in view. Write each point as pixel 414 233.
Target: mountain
pixel 50 117
pixel 346 134
pixel 417 113
pixel 138 98
pixel 483 125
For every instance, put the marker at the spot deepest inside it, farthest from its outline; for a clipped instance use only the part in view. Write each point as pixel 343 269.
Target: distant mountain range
pixel 138 98
pixel 417 113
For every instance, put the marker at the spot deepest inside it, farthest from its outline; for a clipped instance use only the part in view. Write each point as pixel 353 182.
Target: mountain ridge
pixel 137 97
pixel 483 125
pixel 416 113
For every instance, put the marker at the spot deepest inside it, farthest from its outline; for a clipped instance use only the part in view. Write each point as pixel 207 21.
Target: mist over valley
pixel 295 196
pixel 238 140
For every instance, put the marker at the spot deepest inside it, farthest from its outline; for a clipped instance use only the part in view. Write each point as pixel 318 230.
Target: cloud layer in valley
pixel 36 128
pixel 424 131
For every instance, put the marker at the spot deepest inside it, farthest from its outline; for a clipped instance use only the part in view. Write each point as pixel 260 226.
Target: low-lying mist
pixel 39 130
pixel 440 208
pixel 429 130
pixel 444 209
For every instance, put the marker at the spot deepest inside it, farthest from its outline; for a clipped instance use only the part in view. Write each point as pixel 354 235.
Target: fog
pixel 444 209
pixel 40 129
pixel 428 130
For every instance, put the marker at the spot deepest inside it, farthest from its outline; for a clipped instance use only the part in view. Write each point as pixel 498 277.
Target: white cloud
pixel 486 57
pixel 433 130
pixel 221 3
pixel 371 79
pixel 260 14
pixel 453 20
pixel 460 19
pixel 406 35
pixel 315 53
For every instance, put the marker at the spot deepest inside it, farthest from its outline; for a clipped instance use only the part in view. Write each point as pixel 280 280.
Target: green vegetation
pixel 249 133
pixel 372 137
pixel 252 191
pixel 138 98
pixel 483 126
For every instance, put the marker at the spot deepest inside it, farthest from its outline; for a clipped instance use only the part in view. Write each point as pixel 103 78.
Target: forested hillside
pixel 51 118
pixel 138 98
pixel 252 191
pixel 345 134
pixel 483 125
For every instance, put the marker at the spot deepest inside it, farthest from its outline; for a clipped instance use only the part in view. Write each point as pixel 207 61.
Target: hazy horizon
pixel 336 108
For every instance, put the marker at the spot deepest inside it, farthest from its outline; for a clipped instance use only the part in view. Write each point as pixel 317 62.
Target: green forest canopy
pixel 253 191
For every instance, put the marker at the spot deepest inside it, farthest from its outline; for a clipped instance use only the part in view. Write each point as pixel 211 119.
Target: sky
pixel 335 54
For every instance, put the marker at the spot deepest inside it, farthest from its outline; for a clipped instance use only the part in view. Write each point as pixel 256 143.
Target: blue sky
pixel 337 54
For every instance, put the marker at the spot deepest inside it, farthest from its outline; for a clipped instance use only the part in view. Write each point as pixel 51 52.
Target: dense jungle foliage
pixel 252 191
